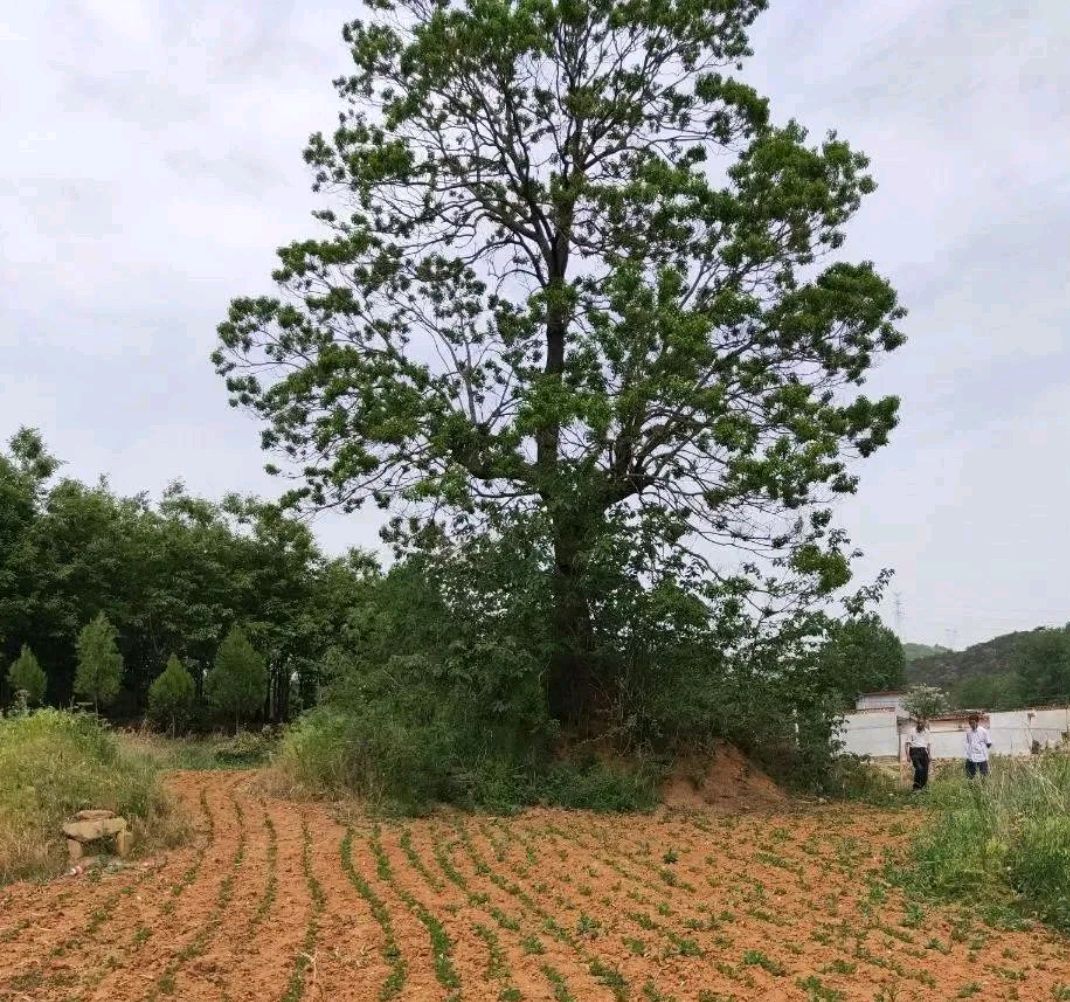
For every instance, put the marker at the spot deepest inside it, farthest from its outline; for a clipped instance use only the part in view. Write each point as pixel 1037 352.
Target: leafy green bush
pixel 237 683
pixel 27 676
pixel 401 768
pixel 54 763
pixel 850 777
pixel 172 695
pixel 1004 841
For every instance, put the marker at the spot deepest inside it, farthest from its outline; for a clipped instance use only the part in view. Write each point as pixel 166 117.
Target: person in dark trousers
pixel 977 744
pixel 920 750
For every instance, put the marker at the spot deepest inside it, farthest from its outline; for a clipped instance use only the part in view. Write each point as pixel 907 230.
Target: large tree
pixel 862 655
pixel 574 272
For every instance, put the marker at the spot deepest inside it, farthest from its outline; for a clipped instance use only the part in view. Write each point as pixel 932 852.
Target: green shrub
pixel 171 695
pixel 851 777
pixel 54 763
pixel 599 786
pixel 401 768
pixel 1004 841
pixel 27 676
pixel 237 683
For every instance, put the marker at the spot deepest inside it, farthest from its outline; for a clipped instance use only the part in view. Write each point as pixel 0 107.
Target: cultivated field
pixel 281 901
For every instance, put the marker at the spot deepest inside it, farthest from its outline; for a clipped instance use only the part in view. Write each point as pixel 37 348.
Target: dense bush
pixel 53 764
pixel 1006 840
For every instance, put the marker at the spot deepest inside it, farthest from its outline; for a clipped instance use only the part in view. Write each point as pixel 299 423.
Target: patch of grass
pixel 817 991
pixel 54 763
pixel 758 958
pixel 1003 843
pixel 247 750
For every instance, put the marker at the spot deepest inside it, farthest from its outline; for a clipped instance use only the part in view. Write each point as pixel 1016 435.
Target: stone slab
pixel 87 831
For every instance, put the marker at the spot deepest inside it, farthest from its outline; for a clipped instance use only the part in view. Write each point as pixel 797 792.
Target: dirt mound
pixel 726 779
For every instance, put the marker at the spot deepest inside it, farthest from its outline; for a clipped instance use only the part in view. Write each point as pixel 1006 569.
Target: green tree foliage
pixel 172 695
pixel 1043 666
pixel 863 655
pixel 237 683
pixel 923 702
pixel 572 276
pixel 1004 691
pixel 27 676
pixel 171 577
pixel 916 652
pixel 100 665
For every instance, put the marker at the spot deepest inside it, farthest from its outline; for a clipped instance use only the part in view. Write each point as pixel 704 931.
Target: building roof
pixel 959 715
pixel 882 692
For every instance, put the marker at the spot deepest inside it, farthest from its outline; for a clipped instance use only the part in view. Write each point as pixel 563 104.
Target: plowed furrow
pixel 262 971
pixel 158 929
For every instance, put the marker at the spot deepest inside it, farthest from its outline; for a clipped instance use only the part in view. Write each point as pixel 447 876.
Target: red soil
pixel 686 905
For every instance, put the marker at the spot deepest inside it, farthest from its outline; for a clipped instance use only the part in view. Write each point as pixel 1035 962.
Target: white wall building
pixel 879 728
pixel 881 701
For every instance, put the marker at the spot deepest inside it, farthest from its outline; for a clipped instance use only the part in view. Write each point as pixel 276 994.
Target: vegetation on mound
pixel 605 395
pixel 53 764
pixel 1004 842
pixel 403 769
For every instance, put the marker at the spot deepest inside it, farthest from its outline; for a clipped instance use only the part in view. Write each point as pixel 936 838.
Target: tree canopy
pixel 863 655
pixel 923 702
pixel 574 273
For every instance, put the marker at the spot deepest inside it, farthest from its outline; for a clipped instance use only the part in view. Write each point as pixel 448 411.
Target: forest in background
pixel 170 577
pixel 1008 672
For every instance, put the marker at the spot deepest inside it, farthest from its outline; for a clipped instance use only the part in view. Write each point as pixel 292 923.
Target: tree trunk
pixel 573 689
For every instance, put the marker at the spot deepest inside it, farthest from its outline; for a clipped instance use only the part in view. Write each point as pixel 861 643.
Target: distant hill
pixel 949 669
pixel 915 652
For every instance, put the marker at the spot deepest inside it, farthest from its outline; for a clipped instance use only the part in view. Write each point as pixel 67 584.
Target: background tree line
pixel 170 578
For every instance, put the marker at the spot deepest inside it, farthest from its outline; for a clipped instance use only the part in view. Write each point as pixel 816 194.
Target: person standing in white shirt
pixel 920 752
pixel 977 744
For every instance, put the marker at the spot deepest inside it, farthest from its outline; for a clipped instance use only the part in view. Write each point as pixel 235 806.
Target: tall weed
pixel 1006 840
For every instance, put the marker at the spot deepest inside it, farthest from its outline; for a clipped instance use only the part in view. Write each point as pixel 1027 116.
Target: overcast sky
pixel 150 162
